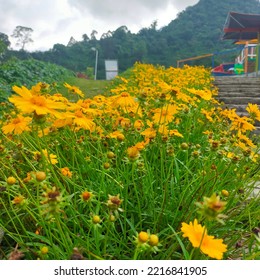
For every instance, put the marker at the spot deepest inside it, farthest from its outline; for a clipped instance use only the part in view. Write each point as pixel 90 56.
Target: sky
pixel 56 21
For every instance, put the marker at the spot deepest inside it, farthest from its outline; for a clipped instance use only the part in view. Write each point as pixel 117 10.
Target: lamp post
pixel 94 49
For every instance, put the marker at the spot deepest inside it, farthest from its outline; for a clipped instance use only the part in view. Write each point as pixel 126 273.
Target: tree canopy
pixel 22 35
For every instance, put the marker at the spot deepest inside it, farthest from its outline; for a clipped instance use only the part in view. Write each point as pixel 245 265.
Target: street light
pixel 95 50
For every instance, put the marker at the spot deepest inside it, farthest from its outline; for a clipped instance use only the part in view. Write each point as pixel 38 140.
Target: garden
pixel 153 167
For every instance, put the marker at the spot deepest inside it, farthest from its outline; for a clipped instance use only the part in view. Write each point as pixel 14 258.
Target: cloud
pixel 55 21
pixel 122 12
pixel 181 5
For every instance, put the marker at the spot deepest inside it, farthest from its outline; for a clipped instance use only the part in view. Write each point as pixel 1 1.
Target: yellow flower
pixel 254 111
pixel 153 240
pixel 44 250
pixel 114 202
pixel 36 89
pixel 50 157
pixel 96 219
pixel 207 114
pixel 74 89
pixel 18 200
pixel 124 100
pixel 17 125
pixel 165 114
pixel 242 124
pixel 133 153
pixel 30 103
pixel 86 196
pixel 66 172
pixel 40 176
pixel 205 94
pixel 138 124
pixel 212 207
pixel 82 121
pixel 149 133
pixel 143 237
pixel 199 238
pixel 175 132
pixel 117 134
pixel 141 145
pixel 11 180
pixel 225 193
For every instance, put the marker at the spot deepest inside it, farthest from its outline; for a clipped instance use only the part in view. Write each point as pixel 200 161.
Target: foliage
pixel 154 169
pixel 4 44
pixel 28 72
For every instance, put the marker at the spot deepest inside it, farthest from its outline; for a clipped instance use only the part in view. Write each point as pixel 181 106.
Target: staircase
pixel 236 92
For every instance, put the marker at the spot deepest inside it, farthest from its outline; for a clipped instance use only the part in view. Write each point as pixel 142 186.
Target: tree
pixel 23 35
pixel 93 35
pixel 71 42
pixel 85 37
pixel 4 44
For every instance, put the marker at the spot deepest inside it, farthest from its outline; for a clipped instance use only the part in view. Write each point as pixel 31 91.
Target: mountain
pixel 197 30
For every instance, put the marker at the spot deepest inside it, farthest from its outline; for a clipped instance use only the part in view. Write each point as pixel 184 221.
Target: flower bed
pixel 129 174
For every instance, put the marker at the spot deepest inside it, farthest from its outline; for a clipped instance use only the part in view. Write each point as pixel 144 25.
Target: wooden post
pixel 246 58
pixel 257 54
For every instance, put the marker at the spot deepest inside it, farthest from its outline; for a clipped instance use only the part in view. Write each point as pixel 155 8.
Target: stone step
pixel 255 83
pixel 238 82
pixel 239 100
pixel 242 86
pixel 238 93
pixel 240 108
pixel 223 79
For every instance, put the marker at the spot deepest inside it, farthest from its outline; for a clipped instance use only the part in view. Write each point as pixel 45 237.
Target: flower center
pixel 38 101
pixel 16 120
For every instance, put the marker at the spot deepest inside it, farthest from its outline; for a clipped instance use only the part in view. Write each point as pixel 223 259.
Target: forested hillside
pixel 197 30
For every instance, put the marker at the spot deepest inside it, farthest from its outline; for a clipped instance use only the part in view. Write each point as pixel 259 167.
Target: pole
pixel 96 64
pixel 257 55
pixel 96 61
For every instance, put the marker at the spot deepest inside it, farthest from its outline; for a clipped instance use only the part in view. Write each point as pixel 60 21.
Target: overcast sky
pixel 55 21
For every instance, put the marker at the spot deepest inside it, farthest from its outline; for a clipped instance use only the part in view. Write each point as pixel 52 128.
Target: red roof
pixel 241 26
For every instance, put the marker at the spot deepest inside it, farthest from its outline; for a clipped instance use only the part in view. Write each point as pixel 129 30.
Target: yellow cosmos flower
pixel 141 145
pixel 124 100
pixel 50 157
pixel 17 125
pixel 82 121
pixel 117 135
pixel 165 114
pixel 27 102
pixel 175 132
pixel 149 133
pixel 254 111
pixel 242 124
pixel 247 141
pixel 36 89
pixel 199 238
pixel 133 153
pixel 208 114
pixel 138 124
pixel 66 172
pixel 205 94
pixel 74 89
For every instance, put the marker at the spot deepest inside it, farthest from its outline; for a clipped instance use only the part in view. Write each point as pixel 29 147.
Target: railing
pixel 248 57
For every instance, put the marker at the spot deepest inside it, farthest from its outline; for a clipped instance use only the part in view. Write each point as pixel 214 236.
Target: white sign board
pixel 111 67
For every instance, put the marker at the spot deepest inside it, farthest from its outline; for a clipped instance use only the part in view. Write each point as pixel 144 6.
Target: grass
pixel 90 87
